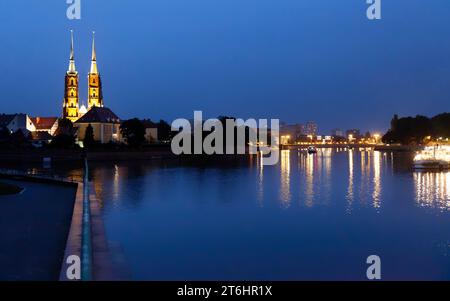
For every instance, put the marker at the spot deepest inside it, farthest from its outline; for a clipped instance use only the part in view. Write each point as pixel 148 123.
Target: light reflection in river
pixel 307 218
pixel 376 179
pixel 350 195
pixel 433 189
pixel 309 191
pixel 285 184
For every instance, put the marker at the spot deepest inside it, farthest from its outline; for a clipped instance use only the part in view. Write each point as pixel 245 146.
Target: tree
pixel 63 141
pixel 164 131
pixel 64 135
pixel 441 125
pixel 5 135
pixel 89 137
pixel 65 127
pixel 19 139
pixel 133 131
pixel 413 130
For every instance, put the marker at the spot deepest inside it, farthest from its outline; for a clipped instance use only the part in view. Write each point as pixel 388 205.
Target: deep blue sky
pixel 296 60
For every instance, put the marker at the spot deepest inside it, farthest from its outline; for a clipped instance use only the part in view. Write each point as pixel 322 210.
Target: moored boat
pixel 433 157
pixel 312 150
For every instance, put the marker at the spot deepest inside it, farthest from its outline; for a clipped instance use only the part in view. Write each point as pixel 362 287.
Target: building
pixel 337 133
pixel 15 122
pixel 71 99
pixel 45 124
pixel 353 134
pixel 40 138
pixel 105 123
pixel 151 131
pixel 95 94
pixel 82 111
pixel 294 131
pixel 311 129
pixel 71 103
pixel 285 139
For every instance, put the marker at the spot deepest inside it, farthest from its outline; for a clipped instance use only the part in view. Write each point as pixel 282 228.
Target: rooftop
pixel 99 115
pixel 43 123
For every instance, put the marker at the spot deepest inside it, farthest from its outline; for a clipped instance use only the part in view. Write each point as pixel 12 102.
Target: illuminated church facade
pixel 104 122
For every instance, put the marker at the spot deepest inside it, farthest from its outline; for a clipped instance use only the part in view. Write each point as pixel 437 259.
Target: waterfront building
pixel 311 129
pixel 105 123
pixel 353 134
pixel 337 133
pixel 151 131
pixel 285 139
pixel 292 130
pixel 15 122
pixel 45 124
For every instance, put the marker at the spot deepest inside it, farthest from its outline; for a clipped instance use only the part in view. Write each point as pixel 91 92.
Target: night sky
pixel 297 60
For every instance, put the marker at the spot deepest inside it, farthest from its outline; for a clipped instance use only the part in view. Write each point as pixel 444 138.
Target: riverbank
pixel 7 189
pixel 64 225
pixel 155 152
pixel 378 147
pixel 39 155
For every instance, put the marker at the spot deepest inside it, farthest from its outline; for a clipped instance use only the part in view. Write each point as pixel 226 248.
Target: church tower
pixel 95 95
pixel 70 105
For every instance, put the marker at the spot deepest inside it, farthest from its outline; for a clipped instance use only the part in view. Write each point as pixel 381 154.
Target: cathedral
pixel 105 124
pixel 71 106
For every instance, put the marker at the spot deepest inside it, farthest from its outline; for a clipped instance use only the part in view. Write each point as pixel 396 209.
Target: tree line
pixel 415 130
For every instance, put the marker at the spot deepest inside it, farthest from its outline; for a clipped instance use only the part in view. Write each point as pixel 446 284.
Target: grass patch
pixel 6 189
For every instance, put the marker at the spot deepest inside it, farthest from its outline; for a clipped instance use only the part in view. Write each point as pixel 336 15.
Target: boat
pixel 312 150
pixel 433 157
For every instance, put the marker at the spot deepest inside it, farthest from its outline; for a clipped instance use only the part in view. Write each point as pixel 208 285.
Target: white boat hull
pixel 431 164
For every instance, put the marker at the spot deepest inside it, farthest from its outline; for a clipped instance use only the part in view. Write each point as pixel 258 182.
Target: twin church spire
pixel 71 108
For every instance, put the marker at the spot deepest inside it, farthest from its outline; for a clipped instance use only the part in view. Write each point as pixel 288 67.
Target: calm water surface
pixel 312 217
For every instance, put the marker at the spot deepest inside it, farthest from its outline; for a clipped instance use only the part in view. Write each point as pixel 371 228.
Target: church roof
pixel 44 123
pixel 99 115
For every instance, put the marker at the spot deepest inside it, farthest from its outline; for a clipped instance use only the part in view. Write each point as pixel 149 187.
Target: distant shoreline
pixel 150 153
pixel 397 148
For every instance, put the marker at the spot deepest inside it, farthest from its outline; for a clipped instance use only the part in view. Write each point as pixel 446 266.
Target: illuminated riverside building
pixel 311 128
pixel 105 125
pixel 104 122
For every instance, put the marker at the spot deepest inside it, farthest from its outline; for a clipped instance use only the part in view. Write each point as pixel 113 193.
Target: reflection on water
pixel 433 189
pixel 260 193
pixel 285 187
pixel 376 179
pixel 310 217
pixel 361 177
pixel 309 195
pixel 350 180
